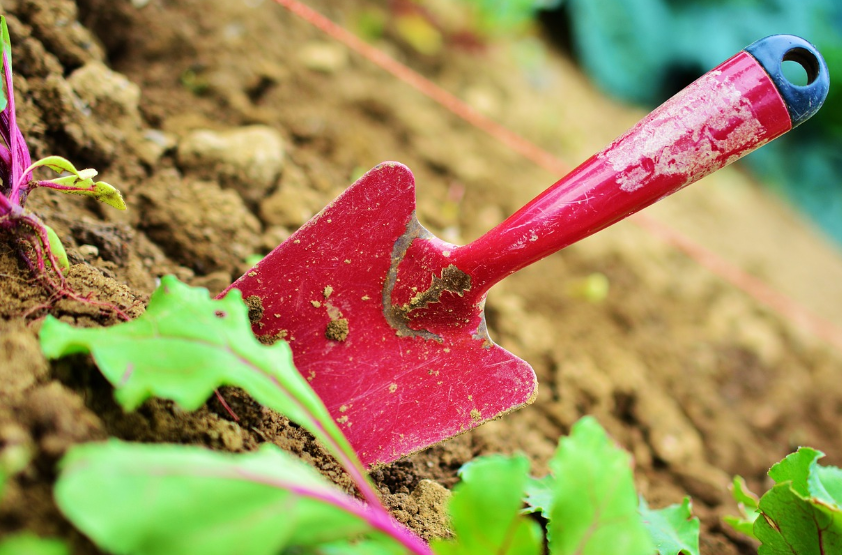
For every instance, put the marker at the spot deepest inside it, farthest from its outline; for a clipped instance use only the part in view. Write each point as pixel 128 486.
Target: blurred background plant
pixel 644 51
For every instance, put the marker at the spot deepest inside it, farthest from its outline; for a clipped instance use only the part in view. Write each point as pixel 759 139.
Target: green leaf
pixel 594 511
pixel 673 529
pixel 106 194
pixel 172 499
pixel 747 503
pixel 80 182
pixel 825 483
pixel 795 468
pixel 801 514
pixel 57 248
pixel 485 510
pixel 539 495
pixel 58 164
pixel 790 524
pixel 186 345
pixel 29 544
pixel 253 259
pixel 7 53
pixel 742 494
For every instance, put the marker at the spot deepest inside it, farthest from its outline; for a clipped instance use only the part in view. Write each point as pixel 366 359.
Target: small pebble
pixel 323 57
pixel 88 251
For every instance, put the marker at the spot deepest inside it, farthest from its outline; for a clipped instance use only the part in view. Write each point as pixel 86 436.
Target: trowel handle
pixel 725 114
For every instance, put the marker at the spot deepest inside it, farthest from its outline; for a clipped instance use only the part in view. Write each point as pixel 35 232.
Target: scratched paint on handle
pixel 705 127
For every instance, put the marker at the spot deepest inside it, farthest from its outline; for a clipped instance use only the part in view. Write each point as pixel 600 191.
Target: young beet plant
pixel 39 245
pixel 182 500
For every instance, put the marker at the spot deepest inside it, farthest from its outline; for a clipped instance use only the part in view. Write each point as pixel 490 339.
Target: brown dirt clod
pixel 337 330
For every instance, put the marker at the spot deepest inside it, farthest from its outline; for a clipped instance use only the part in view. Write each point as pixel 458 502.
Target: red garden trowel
pixel 386 321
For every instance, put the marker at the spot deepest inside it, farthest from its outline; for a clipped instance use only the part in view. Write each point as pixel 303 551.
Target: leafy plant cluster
pixel 800 514
pixel 172 499
pixel 143 499
pixel 38 243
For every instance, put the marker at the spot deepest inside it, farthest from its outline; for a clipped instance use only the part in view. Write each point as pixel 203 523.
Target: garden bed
pixel 692 376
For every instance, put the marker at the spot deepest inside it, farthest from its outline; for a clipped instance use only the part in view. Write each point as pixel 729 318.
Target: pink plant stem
pixel 57 187
pixel 43 254
pixel 224 404
pixel 377 516
pixel 15 162
pixel 351 465
pixel 5 206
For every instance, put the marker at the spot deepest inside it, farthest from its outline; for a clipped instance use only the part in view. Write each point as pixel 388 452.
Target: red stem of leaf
pixel 59 288
pixel 224 404
pixel 377 516
pixel 52 185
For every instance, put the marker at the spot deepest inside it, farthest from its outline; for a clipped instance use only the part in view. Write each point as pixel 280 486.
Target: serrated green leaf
pixel 673 529
pixel 795 468
pixel 185 346
pixel 6 50
pixel 594 510
pixel 790 524
pixel 150 499
pixel 57 248
pixel 29 544
pixel 747 503
pixel 539 495
pixel 485 510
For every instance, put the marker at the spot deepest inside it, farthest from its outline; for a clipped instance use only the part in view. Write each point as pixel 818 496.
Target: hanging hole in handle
pixel 800 67
pixel 802 101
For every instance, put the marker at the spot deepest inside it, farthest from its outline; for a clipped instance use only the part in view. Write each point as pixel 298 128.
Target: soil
pixel 227 125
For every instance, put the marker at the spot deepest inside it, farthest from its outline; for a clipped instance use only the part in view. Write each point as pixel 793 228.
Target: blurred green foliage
pixel 495 17
pixel 646 50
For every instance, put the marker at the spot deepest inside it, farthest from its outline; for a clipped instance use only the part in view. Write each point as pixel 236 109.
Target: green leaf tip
pixel 157 499
pixel 673 529
pixel 185 346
